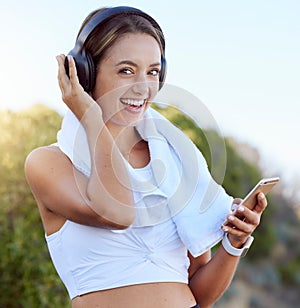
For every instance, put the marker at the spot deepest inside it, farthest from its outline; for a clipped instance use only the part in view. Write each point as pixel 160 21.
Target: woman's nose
pixel 141 86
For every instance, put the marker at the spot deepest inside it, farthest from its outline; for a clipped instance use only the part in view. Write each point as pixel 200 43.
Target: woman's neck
pixel 125 137
pixel 133 148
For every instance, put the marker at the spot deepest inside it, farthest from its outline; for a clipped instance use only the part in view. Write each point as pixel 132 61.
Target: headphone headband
pixel 109 13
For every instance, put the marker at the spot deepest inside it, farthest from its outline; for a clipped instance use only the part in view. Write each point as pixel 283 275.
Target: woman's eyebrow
pixel 131 63
pixel 155 64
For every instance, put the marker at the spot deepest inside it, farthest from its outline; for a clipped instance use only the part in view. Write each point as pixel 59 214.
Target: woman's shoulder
pixel 40 165
pixel 43 159
pixel 44 154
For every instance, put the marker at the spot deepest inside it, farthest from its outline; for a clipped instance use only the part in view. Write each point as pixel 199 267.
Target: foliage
pixel 28 278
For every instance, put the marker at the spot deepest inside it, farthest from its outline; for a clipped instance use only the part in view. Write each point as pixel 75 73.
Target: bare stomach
pixel 148 295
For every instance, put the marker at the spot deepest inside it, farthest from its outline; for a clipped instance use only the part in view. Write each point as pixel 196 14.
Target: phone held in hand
pixel 264 186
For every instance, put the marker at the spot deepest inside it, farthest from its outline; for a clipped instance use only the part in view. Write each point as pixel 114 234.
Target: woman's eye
pixel 126 71
pixel 154 72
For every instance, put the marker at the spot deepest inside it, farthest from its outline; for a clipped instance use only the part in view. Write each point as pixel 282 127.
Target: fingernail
pixel 225 229
pixel 261 196
pixel 241 208
pixel 234 206
pixel 230 217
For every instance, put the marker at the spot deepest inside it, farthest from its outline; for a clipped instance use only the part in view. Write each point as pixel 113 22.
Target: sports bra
pixel 90 259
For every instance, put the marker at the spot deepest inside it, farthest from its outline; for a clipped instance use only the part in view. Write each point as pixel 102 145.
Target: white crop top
pixel 90 259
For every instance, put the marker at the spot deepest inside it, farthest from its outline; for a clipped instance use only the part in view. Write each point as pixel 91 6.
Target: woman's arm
pixel 105 198
pixel 210 277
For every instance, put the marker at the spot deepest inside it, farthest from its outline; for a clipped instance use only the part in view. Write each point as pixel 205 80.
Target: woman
pixel 117 241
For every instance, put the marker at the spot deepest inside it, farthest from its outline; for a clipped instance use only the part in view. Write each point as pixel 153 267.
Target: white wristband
pixel 237 252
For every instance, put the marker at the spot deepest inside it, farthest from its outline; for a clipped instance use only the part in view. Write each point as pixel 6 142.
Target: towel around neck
pixel 181 187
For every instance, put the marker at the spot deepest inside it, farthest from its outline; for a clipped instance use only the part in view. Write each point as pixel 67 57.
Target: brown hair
pixel 107 32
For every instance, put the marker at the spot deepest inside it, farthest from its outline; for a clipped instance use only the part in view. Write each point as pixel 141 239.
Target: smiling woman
pixel 133 81
pixel 129 207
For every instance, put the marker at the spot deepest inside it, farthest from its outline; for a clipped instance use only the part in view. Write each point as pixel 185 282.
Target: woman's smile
pixel 133 105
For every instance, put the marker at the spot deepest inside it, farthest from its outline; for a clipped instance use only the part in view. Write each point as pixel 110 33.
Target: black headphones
pixel 85 65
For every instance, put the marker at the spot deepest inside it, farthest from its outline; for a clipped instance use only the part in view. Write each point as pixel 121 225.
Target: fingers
pixel 72 71
pixel 261 203
pixel 240 229
pixel 235 203
pixel 243 221
pixel 62 76
pixel 64 80
pixel 240 221
pixel 234 206
pixel 69 86
pixel 242 215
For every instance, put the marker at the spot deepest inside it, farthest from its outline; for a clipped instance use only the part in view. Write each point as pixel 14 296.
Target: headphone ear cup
pixel 85 68
pixel 163 72
pixel 91 72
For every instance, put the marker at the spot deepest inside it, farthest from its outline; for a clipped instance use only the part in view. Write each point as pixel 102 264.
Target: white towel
pixel 181 188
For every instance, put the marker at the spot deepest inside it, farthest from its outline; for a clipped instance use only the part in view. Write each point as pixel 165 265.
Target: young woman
pixel 117 229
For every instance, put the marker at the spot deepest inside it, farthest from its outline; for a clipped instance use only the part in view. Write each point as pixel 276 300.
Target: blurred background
pixel 239 59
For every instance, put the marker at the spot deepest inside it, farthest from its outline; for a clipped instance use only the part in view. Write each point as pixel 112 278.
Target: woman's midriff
pixel 148 295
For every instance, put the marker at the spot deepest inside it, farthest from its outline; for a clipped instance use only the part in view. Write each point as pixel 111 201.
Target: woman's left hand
pixel 240 229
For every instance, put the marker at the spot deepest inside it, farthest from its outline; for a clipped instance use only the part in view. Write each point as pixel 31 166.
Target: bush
pixel 28 278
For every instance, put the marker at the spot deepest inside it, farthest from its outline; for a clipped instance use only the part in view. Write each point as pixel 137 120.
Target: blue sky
pixel 240 58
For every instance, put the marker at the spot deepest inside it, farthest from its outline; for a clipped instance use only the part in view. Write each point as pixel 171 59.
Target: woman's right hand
pixel 73 93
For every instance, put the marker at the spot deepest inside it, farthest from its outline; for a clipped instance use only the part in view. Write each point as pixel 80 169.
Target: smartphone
pixel 264 186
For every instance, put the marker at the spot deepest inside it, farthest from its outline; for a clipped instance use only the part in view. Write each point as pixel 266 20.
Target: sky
pixel 241 59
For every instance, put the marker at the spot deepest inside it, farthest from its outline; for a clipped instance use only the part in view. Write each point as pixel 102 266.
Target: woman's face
pixel 128 78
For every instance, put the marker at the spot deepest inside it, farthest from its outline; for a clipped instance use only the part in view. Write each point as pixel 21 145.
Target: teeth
pixel 132 102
